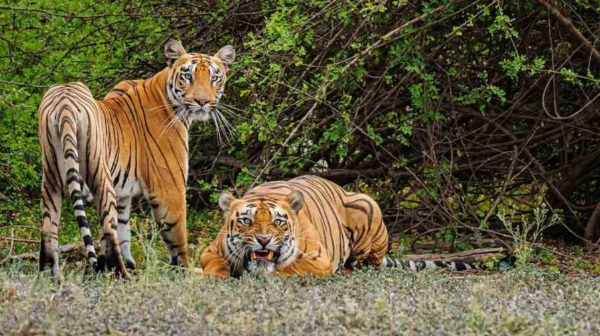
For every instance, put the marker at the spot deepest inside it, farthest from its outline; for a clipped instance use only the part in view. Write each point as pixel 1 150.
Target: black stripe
pixel 69 153
pixel 82 221
pixel 87 240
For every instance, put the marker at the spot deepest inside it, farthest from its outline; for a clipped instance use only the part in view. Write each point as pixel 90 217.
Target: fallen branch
pixel 426 247
pixel 36 255
pixel 465 256
pixel 20 240
pixel 19 226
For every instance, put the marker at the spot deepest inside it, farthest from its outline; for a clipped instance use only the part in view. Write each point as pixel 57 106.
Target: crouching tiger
pixel 307 225
pixel 134 142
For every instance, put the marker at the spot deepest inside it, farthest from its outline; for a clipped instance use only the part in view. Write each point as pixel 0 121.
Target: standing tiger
pixel 134 142
pixel 307 225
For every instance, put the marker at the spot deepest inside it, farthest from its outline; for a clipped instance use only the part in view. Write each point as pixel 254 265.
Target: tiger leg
pixel 366 221
pixel 74 184
pixel 51 208
pixel 214 265
pixel 104 194
pixel 170 213
pixel 302 267
pixel 124 231
pixel 214 261
pixel 313 260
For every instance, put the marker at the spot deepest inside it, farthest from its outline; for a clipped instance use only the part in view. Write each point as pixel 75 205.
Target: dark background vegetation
pixel 445 111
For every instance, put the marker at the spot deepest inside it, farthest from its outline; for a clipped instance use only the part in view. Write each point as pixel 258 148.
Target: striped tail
pixel 417 266
pixel 68 121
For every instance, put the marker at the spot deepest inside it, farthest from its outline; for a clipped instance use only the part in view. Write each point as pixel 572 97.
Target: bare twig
pixel 284 144
pixel 36 255
pixel 10 250
pixel 572 29
pixel 464 256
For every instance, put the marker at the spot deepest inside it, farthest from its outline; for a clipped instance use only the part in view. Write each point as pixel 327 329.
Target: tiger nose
pixel 263 240
pixel 201 102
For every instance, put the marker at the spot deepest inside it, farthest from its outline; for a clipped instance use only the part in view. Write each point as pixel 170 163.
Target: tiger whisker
pixel 241 256
pixel 217 130
pixel 162 107
pixel 170 117
pixel 233 115
pixel 226 122
pixel 229 111
pixel 225 127
pixel 231 107
pixel 234 254
pixel 172 121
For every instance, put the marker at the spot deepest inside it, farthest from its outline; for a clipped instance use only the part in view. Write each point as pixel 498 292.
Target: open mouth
pixel 262 255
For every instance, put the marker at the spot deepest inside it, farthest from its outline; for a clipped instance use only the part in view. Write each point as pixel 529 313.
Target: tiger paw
pixel 112 261
pixel 223 275
pixel 115 263
pixel 130 264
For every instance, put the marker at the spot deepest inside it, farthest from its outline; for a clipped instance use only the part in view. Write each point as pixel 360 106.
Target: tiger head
pixel 260 232
pixel 196 82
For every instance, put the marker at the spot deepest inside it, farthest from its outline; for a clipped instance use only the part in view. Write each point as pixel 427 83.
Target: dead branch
pixel 572 29
pixel 36 255
pixel 20 240
pixel 464 256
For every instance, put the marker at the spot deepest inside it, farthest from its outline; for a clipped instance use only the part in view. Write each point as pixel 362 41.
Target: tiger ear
pixel 296 200
pixel 225 200
pixel 226 55
pixel 173 50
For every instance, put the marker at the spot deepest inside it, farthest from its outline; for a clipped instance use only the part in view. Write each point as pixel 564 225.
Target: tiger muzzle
pixel 262 255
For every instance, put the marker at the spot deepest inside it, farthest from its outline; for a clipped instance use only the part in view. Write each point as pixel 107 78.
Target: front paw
pixel 223 275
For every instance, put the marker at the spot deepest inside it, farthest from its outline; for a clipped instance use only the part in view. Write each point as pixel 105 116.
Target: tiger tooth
pixel 253 255
pixel 270 255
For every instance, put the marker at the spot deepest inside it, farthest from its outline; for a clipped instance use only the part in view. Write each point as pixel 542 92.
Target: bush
pixel 444 111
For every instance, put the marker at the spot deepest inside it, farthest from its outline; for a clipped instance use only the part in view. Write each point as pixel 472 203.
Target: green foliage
pixel 526 233
pixel 56 42
pixel 372 89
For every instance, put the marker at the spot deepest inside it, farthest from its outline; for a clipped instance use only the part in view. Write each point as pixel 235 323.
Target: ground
pixel 161 301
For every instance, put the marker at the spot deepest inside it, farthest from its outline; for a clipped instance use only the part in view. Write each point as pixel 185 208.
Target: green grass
pixel 162 300
pixel 393 302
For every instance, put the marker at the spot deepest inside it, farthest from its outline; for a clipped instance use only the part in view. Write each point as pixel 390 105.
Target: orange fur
pixel 333 229
pixel 134 142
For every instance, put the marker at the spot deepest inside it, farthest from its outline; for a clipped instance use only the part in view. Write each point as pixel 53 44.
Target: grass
pixel 166 301
pixel 161 301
